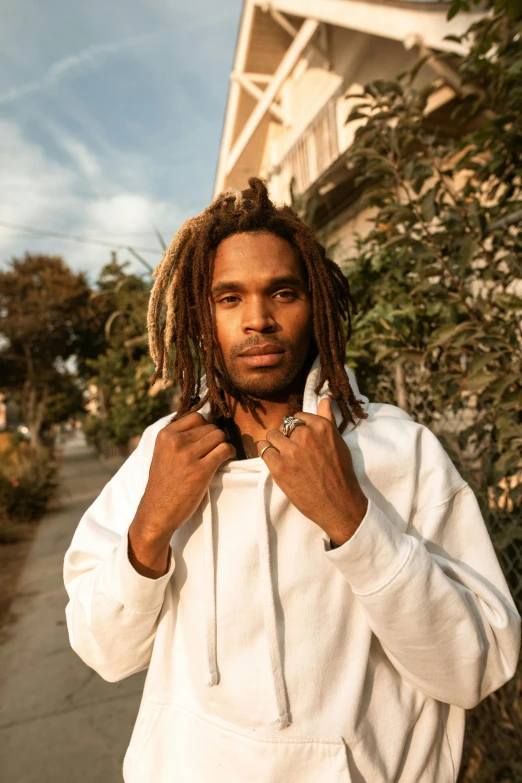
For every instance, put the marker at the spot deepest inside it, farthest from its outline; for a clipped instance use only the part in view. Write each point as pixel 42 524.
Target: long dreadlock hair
pixel 179 311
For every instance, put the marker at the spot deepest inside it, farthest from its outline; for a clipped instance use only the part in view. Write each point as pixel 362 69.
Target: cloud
pixel 86 162
pixel 53 195
pixel 91 57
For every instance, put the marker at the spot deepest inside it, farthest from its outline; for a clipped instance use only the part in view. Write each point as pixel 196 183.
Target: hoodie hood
pixel 311 401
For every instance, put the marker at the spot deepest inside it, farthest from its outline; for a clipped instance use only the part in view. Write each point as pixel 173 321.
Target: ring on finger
pixel 290 423
pixel 270 446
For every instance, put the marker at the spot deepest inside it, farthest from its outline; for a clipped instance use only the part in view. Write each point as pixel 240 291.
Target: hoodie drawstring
pixel 267 591
pixel 212 677
pixel 267 588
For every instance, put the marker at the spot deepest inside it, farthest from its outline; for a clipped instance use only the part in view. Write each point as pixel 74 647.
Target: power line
pixel 76 238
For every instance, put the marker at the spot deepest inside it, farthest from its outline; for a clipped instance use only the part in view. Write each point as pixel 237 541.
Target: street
pixel 59 721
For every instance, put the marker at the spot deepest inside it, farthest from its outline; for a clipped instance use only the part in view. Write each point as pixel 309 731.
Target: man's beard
pixel 267 383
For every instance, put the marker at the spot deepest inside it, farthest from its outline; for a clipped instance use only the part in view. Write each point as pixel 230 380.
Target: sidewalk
pixel 59 721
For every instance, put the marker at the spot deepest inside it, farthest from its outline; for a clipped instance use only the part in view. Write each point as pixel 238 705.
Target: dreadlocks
pixel 180 314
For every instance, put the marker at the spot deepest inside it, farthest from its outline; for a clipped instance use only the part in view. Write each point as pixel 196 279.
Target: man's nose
pixel 258 316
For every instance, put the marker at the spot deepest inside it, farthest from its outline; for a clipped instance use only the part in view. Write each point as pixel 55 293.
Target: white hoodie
pixel 273 659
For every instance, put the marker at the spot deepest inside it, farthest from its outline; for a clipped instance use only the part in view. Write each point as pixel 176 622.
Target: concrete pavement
pixel 59 721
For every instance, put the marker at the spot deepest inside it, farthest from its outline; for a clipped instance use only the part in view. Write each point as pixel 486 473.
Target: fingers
pixel 221 453
pixel 187 422
pixel 274 457
pixel 277 439
pixel 198 433
pixel 271 456
pixel 210 440
pixel 324 409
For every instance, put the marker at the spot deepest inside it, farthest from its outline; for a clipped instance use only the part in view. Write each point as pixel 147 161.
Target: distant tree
pixel 122 367
pixel 92 340
pixel 66 399
pixel 43 308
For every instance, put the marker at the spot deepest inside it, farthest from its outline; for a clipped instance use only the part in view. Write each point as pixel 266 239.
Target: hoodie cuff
pixel 135 592
pixel 375 554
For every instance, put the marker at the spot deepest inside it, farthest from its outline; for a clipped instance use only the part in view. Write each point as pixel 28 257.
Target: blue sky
pixel 110 119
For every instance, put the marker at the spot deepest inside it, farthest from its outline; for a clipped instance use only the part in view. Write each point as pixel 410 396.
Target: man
pixel 318 603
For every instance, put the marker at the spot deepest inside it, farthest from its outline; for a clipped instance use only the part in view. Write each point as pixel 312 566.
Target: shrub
pixel 28 481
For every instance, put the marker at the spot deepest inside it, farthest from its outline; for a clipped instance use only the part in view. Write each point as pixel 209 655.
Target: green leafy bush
pixel 121 373
pixel 28 482
pixel 439 277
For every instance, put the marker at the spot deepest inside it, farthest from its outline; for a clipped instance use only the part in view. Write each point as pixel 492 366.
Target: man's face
pixel 260 298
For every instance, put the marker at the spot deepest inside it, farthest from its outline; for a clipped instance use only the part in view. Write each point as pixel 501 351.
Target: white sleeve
pixel 113 611
pixel 435 595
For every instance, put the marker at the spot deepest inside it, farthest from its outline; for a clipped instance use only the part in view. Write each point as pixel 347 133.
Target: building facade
pixel 297 64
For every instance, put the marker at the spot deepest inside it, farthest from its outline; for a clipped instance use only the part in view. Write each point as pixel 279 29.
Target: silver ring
pixel 270 446
pixel 290 423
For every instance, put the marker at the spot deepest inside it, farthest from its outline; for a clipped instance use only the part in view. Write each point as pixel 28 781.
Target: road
pixel 59 721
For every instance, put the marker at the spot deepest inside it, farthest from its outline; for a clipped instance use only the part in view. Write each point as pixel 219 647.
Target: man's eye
pixel 286 294
pixel 225 298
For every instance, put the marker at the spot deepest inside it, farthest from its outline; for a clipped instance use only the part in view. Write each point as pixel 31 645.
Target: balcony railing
pixel 315 150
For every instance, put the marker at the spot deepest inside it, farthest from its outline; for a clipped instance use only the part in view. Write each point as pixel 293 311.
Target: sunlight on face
pixel 260 297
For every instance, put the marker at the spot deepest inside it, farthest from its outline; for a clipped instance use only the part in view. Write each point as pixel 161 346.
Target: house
pixel 296 64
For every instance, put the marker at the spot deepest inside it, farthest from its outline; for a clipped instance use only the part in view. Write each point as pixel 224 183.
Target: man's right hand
pixel 186 456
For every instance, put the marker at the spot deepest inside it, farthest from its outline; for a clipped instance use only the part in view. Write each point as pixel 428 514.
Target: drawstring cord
pixel 212 677
pixel 267 590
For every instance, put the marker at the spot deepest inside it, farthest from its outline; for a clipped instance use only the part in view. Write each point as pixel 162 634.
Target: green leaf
pixel 506 463
pixel 355 115
pixel 427 205
pixel 367 152
pixel 501 385
pixel 479 382
pixel 417 357
pixel 398 214
pixel 466 252
pixel 381 167
pixel 481 361
pixel 509 302
pixel 454 38
pixel 431 270
pixel 512 400
pixel 418 65
pixel 467 336
pixel 384 353
pixel 444 334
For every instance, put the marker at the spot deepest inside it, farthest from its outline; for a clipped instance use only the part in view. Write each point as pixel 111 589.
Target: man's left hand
pixel 314 468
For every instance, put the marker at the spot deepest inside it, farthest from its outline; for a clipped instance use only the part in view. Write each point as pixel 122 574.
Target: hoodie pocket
pixel 178 745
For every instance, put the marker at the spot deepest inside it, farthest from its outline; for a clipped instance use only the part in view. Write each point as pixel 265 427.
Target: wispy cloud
pixel 51 195
pixel 89 58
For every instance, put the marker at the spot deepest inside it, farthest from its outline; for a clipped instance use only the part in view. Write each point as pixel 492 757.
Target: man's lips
pixel 262 356
pixel 262 359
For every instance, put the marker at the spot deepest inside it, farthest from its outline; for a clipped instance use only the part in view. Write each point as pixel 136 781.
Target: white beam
pixel 382 19
pixel 258 94
pixel 234 93
pixel 262 78
pixel 283 22
pixel 289 28
pixel 288 62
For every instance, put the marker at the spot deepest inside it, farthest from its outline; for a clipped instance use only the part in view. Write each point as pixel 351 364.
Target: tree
pixel 122 368
pixel 439 276
pixel 43 306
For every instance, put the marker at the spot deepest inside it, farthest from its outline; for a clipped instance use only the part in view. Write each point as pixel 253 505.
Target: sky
pixel 111 117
